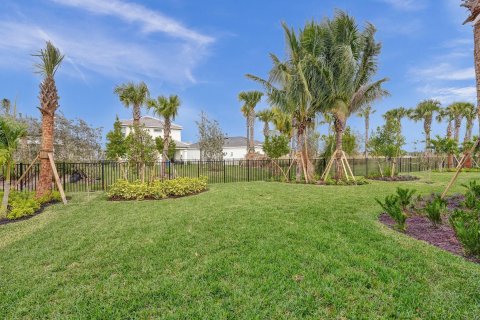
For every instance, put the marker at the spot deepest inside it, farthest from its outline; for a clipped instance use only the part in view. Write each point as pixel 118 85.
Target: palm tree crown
pixel 424 112
pixel 250 100
pixel 135 95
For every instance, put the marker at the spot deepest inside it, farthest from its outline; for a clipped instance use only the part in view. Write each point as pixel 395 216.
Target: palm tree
pixel 365 113
pixel 11 132
pixel 474 7
pixel 6 105
pixel 347 64
pixel 458 110
pixel 424 112
pixel 134 95
pixel 446 114
pixel 470 114
pixel 168 109
pixel 396 114
pixel 50 60
pixel 266 116
pixel 250 100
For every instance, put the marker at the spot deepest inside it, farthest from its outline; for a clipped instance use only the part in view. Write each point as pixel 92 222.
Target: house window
pixel 157 130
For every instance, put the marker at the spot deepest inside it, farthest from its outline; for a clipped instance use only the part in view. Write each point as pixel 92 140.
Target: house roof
pixel 231 142
pixel 149 122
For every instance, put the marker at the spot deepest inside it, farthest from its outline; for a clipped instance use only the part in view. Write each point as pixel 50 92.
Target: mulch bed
pixel 119 199
pixel 45 205
pixel 421 228
pixel 395 178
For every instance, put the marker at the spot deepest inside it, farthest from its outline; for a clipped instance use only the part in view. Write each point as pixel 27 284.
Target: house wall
pixel 228 153
pixel 175 134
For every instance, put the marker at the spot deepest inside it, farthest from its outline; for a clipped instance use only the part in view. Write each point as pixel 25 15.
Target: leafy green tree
pixel 250 100
pixel 11 132
pixel 116 147
pixel 211 139
pixel 350 144
pixel 135 96
pixel 141 149
pixel 424 112
pixel 276 146
pixel 168 109
pixel 171 147
pixel 387 142
pixel 443 147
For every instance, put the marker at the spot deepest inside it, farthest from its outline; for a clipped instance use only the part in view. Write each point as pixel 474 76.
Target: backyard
pixel 242 250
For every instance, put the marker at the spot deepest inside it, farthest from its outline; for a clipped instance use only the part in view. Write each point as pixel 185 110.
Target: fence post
pixel 169 170
pixel 224 171
pixel 21 174
pixel 103 174
pixel 353 165
pixel 366 166
pixel 410 171
pixel 248 170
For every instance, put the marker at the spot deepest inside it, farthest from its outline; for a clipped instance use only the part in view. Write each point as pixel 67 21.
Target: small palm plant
pixel 434 210
pixel 393 208
pixel 11 132
pixel 405 197
pixel 467 228
pixel 473 187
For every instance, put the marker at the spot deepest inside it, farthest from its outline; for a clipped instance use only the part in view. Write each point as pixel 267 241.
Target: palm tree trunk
pixel 299 148
pixel 367 128
pixel 266 129
pixel 6 191
pixel 339 127
pixel 458 124
pixel 46 173
pixel 136 116
pixel 252 135
pixel 476 36
pixel 248 133
pixel 449 136
pixel 426 126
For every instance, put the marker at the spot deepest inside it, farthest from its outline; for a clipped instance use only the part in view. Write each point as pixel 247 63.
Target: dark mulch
pixel 421 228
pixel 45 205
pixel 395 178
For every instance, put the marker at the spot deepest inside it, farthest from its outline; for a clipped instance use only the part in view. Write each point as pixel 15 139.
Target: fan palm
pixel 446 114
pixel 50 60
pixel 424 112
pixel 266 116
pixel 470 114
pixel 11 132
pixel 346 64
pixel 396 114
pixel 458 110
pixel 133 95
pixel 250 100
pixel 168 109
pixel 365 113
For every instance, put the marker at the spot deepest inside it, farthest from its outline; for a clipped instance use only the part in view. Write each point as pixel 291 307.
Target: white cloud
pixel 100 53
pixel 406 5
pixel 150 20
pixel 444 71
pixel 450 94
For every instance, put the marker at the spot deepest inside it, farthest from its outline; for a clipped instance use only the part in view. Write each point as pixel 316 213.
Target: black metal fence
pixel 92 176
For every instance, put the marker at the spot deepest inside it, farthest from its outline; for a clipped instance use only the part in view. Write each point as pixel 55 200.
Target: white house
pixel 233 148
pixel 154 127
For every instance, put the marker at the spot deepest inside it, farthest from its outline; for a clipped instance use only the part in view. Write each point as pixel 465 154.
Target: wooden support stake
pixel 25 173
pixel 459 167
pixel 348 166
pixel 329 166
pixel 57 178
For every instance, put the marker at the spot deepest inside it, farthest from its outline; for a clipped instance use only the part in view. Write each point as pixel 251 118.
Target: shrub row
pixel 178 187
pixel 21 204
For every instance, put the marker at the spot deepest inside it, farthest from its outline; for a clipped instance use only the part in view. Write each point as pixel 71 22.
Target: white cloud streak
pixel 444 71
pixel 448 95
pixel 406 5
pixel 150 20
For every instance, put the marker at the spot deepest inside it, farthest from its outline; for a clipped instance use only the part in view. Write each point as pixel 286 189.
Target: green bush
pixel 471 201
pixel 405 197
pixel 344 182
pixel 434 210
pixel 21 204
pixel 473 187
pixel 467 228
pixel 393 208
pixel 179 187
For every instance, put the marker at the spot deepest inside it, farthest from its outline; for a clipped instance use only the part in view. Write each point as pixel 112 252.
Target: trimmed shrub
pixel 434 210
pixel 467 228
pixel 393 208
pixel 405 197
pixel 473 188
pixel 21 204
pixel 179 187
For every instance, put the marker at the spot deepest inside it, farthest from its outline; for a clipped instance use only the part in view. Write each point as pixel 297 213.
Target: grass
pixel 246 250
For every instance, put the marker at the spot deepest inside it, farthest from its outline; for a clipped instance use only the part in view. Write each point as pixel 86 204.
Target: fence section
pixel 91 176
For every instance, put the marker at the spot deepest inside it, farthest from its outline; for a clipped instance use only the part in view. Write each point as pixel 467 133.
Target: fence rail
pixel 92 176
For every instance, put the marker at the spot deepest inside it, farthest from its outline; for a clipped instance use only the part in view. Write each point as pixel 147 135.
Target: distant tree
pixel 387 142
pixel 250 100
pixel 266 116
pixel 135 96
pixel 458 110
pixel 116 147
pixel 396 114
pixel 350 144
pixel 171 147
pixel 168 109
pixel 211 138
pixel 6 106
pixel 11 132
pixel 470 114
pixel 424 112
pixel 443 147
pixel 276 146
pixel 141 149
pixel 365 113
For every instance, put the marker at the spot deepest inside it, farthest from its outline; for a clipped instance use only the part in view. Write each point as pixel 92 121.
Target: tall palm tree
pixel 11 132
pixel 347 63
pixel 474 7
pixel 470 114
pixel 446 114
pixel 168 109
pixel 396 114
pixel 458 110
pixel 250 100
pixel 365 113
pixel 50 60
pixel 133 95
pixel 266 116
pixel 424 112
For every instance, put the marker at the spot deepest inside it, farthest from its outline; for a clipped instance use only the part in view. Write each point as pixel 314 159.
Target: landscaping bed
pixel 24 205
pixel 394 178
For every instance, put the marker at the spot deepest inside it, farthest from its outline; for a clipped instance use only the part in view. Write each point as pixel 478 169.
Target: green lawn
pixel 232 252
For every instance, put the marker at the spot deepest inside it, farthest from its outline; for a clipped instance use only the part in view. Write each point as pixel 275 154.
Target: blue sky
pixel 201 51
